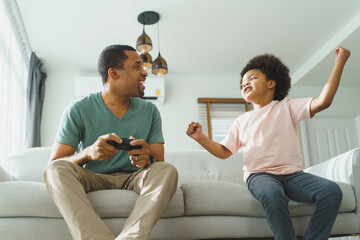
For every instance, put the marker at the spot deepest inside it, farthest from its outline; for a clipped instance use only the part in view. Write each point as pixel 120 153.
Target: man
pixel 82 160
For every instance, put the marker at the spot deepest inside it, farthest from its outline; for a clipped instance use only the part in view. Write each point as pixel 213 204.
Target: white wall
pixel 59 91
pixel 346 101
pixel 180 106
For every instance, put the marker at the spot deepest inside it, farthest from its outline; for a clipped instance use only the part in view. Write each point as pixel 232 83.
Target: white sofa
pixel 211 202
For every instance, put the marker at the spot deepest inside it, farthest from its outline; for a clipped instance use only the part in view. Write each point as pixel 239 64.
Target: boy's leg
pixel 67 184
pixel 270 192
pixel 326 195
pixel 156 185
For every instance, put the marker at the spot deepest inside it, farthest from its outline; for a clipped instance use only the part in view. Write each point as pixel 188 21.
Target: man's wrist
pixel 150 161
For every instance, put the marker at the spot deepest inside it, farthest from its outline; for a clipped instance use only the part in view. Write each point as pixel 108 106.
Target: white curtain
pixel 14 63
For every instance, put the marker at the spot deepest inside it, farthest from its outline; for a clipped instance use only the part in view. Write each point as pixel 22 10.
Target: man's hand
pixel 101 150
pixel 140 157
pixel 194 130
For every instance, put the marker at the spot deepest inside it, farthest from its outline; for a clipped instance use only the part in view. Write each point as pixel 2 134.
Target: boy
pixel 272 159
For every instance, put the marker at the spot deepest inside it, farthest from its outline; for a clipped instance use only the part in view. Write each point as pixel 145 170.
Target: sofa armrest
pixel 4 175
pixel 342 168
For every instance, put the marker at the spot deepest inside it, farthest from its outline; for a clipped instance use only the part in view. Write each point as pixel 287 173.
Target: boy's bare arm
pixel 328 93
pixel 195 131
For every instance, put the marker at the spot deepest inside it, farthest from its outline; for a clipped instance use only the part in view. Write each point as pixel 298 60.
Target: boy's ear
pixel 271 84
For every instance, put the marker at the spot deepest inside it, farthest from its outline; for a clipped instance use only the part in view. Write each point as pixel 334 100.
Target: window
pixel 14 60
pixel 217 115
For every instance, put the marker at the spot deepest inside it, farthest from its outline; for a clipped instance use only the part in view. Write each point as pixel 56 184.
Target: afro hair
pixel 274 69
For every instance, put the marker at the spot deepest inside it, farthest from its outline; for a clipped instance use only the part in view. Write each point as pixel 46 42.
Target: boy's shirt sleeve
pixel 70 126
pixel 231 140
pixel 299 108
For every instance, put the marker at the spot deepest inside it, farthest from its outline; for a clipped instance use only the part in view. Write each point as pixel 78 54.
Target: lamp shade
pixel 159 67
pixel 147 61
pixel 143 43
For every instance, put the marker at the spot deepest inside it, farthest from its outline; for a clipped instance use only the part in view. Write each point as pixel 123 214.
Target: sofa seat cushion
pixel 224 198
pixel 31 199
pixel 25 199
pixel 120 203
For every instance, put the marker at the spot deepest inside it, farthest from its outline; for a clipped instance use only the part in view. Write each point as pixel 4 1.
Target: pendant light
pixel 144 45
pixel 159 66
pixel 147 61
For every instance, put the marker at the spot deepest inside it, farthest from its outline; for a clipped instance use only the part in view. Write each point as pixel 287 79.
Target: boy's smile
pixel 247 88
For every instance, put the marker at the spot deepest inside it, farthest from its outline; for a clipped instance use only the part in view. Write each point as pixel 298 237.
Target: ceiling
pixel 200 37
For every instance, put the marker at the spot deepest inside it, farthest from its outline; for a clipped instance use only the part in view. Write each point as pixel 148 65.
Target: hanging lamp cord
pixel 158 36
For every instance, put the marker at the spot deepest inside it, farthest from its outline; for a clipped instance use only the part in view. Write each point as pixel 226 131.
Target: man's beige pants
pixel 68 184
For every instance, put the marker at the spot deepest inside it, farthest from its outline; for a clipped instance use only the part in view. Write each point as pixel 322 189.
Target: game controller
pixel 125 145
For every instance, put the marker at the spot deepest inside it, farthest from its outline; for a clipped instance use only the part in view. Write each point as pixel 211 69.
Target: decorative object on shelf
pixel 144 45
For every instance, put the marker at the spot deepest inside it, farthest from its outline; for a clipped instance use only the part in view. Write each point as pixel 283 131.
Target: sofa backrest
pixel 192 165
pixel 195 165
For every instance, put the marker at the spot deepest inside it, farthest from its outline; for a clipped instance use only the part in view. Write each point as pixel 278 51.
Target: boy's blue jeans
pixel 274 192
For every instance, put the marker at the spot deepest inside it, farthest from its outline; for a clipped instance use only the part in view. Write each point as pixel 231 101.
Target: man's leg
pixel 268 189
pixel 156 185
pixel 326 195
pixel 67 184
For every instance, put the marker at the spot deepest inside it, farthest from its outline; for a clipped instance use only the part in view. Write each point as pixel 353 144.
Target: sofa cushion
pixel 28 165
pixel 120 203
pixel 196 165
pixel 4 175
pixel 25 199
pixel 22 199
pixel 224 198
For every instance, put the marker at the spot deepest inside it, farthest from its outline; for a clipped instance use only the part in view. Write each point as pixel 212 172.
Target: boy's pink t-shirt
pixel 269 137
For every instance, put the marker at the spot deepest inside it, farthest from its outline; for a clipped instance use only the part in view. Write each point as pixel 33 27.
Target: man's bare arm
pixel 157 151
pixel 99 151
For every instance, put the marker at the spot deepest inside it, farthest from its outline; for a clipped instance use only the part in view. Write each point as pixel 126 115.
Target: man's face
pixel 133 75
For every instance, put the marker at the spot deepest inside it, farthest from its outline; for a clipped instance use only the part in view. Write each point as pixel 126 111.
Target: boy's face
pixel 255 86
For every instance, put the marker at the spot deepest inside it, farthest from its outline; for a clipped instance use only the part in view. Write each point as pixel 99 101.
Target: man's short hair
pixel 112 56
pixel 274 69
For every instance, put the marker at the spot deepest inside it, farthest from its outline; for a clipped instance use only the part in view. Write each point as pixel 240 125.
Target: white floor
pixel 345 238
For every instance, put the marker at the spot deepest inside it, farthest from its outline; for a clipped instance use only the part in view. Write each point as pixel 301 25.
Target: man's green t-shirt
pixel 85 120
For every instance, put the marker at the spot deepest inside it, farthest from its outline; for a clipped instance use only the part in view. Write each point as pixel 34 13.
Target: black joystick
pixel 125 145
